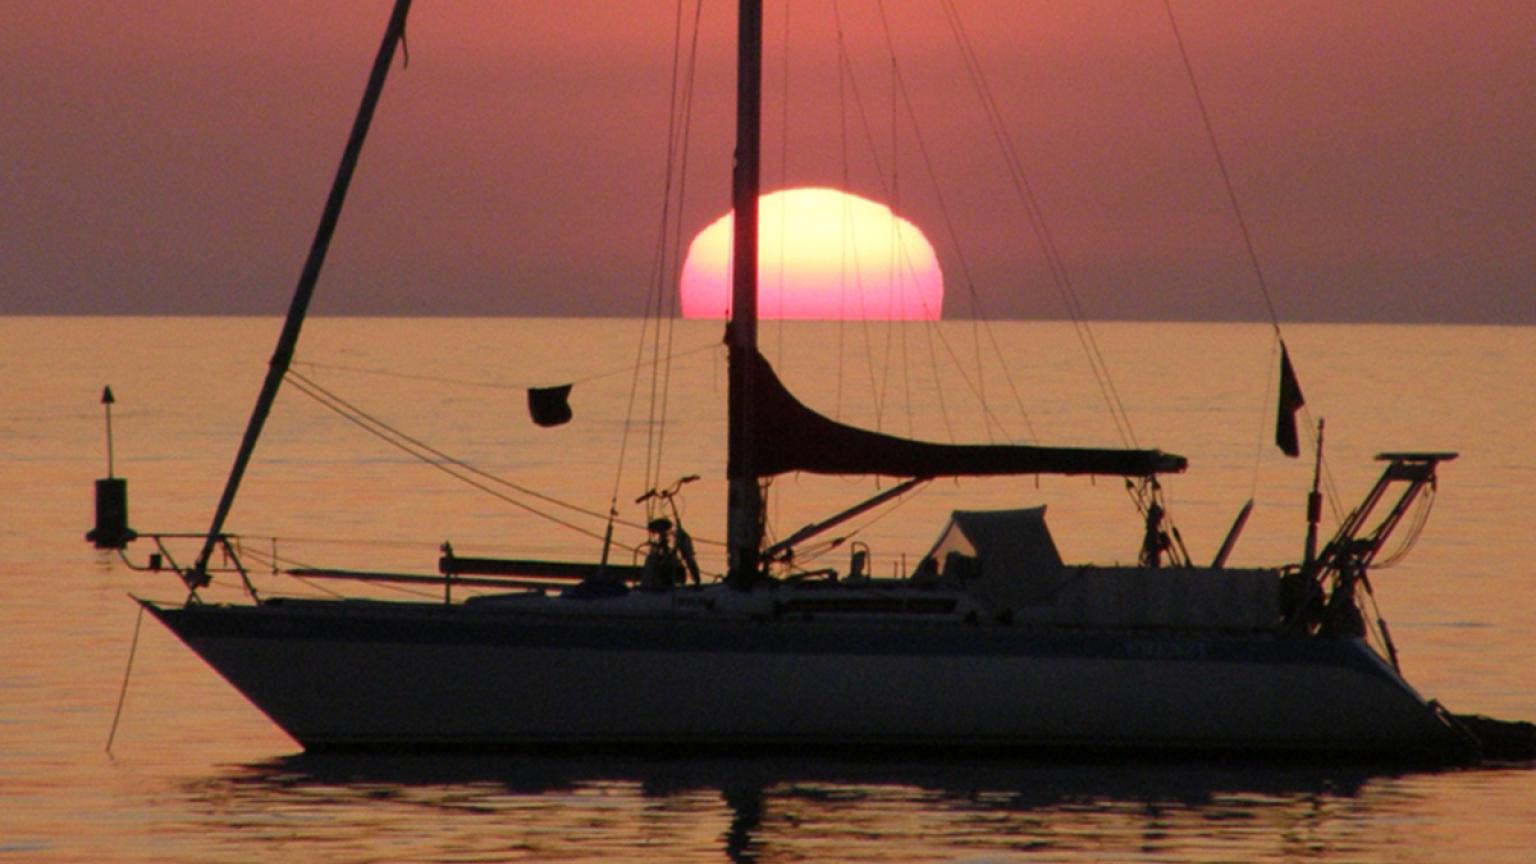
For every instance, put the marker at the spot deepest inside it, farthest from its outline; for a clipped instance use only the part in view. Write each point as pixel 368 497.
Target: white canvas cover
pixel 1007 560
pixel 1006 557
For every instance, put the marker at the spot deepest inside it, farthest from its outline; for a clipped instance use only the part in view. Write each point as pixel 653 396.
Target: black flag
pixel 1290 402
pixel 548 406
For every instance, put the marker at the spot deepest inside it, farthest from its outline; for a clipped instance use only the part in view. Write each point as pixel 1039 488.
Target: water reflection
pixel 762 809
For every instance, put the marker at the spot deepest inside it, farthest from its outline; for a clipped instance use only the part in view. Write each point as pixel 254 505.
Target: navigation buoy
pixel 111 531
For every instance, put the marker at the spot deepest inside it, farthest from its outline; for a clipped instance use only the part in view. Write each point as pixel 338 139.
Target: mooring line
pixel 122 694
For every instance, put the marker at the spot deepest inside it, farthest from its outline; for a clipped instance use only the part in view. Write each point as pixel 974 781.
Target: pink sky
pixel 172 157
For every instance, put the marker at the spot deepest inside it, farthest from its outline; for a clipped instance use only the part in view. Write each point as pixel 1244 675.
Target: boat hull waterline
pixel 358 674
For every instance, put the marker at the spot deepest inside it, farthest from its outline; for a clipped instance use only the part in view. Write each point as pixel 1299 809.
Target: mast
pixel 744 507
pixel 288 340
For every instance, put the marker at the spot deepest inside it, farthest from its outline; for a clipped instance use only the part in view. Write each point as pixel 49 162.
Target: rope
pixel 679 124
pixel 894 196
pixel 672 276
pixel 493 385
pixel 122 694
pixel 1411 537
pixel 337 541
pixel 442 461
pixel 879 373
pixel 847 183
pixel 783 170
pixel 850 244
pixel 1266 427
pixel 274 560
pixel 1331 489
pixel 938 390
pixel 1221 164
pixel 979 318
pixel 1044 239
pixel 657 265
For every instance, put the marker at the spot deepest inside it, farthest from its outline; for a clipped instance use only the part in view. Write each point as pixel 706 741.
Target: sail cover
pixel 788 436
pixel 1017 563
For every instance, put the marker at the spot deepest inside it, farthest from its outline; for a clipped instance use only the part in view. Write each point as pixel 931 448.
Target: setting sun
pixel 823 255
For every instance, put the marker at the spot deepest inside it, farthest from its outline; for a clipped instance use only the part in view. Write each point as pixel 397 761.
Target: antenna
pixel 107 400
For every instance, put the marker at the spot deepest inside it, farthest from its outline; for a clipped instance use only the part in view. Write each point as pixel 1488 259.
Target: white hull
pixel 349 674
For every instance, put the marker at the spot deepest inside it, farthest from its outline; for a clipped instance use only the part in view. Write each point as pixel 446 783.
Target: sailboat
pixel 991 641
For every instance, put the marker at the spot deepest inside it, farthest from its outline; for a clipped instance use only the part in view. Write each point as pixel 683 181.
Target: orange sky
pixel 172 157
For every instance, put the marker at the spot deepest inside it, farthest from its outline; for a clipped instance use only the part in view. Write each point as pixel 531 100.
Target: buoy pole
pixel 111 530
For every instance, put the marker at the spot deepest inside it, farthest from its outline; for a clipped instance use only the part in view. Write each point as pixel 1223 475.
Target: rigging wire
pixel 965 267
pixel 335 541
pixel 847 183
pixel 659 268
pixel 269 561
pixel 893 332
pixel 1263 441
pixel 938 388
pixel 1247 235
pixel 890 189
pixel 1221 164
pixel 676 108
pixel 783 168
pixel 275 562
pixel 773 502
pixel 452 466
pixel 850 239
pixel 492 385
pixel 898 89
pixel 1415 530
pixel 842 266
pixel 846 74
pixel 669 274
pixel 1044 239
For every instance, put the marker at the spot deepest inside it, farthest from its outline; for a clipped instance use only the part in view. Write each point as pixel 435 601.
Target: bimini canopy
pixel 788 436
pixel 1006 558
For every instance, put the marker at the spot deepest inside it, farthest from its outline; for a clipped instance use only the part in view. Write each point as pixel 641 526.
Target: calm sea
pixel 195 774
